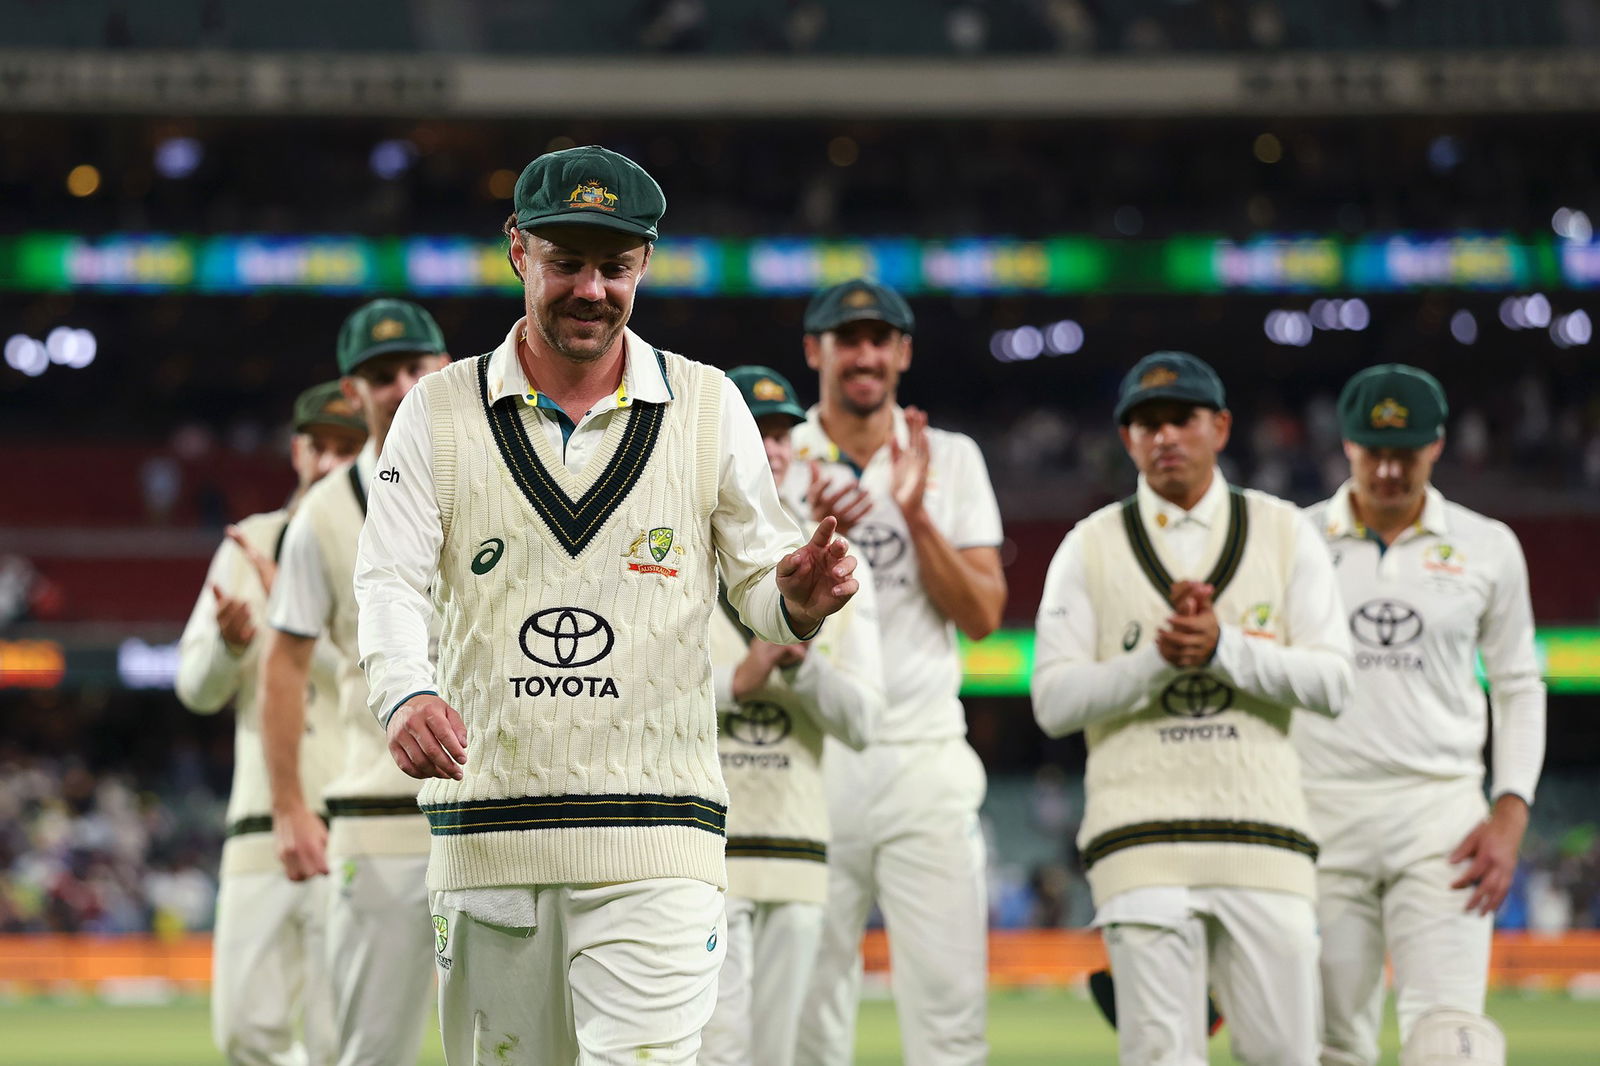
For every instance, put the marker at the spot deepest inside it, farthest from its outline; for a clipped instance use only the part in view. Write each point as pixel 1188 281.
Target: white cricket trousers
pixel 609 975
pixel 380 956
pixel 268 973
pixel 905 831
pixel 1383 883
pixel 1255 950
pixel 771 951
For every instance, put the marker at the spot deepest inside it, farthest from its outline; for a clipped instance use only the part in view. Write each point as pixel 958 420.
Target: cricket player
pixel 1414 862
pixel 1179 629
pixel 775 703
pixel 569 500
pixel 376 842
pixel 267 972
pixel 918 505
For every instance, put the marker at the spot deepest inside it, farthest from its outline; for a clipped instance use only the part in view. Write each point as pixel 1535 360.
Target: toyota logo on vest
pixel 566 638
pixel 882 545
pixel 1385 624
pixel 1196 695
pixel 758 722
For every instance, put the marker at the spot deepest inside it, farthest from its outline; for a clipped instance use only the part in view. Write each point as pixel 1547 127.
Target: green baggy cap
pixel 767 392
pixel 857 300
pixel 589 186
pixel 1392 406
pixel 325 405
pixel 385 326
pixel 1175 376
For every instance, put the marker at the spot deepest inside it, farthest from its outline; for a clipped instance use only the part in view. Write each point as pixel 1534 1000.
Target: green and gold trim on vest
pixel 1198 831
pixel 574 812
pixel 1227 563
pixel 253 823
pixel 777 848
pixel 371 806
pixel 574 524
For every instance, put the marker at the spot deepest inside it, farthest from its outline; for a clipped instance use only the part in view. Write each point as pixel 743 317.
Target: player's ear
pixel 813 349
pixel 903 361
pixel 352 392
pixel 1222 426
pixel 1127 438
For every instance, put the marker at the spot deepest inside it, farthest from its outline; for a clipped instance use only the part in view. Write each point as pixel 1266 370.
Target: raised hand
pixel 849 505
pixel 427 738
pixel 816 578
pixel 908 470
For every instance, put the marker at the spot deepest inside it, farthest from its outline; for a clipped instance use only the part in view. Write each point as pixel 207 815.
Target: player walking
pixel 1414 862
pixel 1179 629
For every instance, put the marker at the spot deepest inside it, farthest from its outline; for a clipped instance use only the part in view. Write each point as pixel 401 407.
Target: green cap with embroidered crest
pixel 858 300
pixel 1175 376
pixel 384 326
pixel 589 186
pixel 1393 406
pixel 325 405
pixel 767 392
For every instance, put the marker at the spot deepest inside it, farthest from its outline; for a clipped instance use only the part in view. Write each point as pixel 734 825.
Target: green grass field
pixel 1025 1029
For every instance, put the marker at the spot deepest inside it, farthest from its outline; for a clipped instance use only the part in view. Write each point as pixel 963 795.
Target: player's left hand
pixel 1491 849
pixel 816 579
pixel 908 470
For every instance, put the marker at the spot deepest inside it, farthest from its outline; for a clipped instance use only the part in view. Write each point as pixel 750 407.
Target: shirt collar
pixel 1341 520
pixel 643 377
pixel 812 441
pixel 1161 514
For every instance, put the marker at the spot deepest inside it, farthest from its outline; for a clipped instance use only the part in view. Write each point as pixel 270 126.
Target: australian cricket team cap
pixel 325 405
pixel 1174 376
pixel 589 186
pixel 385 326
pixel 767 392
pixel 1392 406
pixel 858 300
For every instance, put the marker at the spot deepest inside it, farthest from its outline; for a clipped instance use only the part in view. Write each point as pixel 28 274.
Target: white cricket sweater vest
pixel 575 612
pixel 771 753
pixel 247 847
pixel 1198 784
pixel 372 804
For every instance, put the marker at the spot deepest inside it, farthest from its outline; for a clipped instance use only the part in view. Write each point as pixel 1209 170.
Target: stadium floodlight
pixel 178 157
pixel 1570 331
pixel 1000 346
pixel 1027 342
pixel 84 350
pixel 1063 338
pixel 27 355
pixel 1464 327
pixel 1354 315
pixel 1572 225
pixel 1536 310
pixel 392 158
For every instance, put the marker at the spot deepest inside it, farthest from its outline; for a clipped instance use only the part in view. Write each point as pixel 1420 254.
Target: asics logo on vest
pixel 489 554
pixel 1385 624
pixel 882 545
pixel 1196 695
pixel 567 638
pixel 759 723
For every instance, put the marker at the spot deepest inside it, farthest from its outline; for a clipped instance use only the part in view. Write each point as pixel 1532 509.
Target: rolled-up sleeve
pixel 208 670
pixel 749 527
pixel 395 565
pixel 1311 668
pixel 1071 687
pixel 1516 690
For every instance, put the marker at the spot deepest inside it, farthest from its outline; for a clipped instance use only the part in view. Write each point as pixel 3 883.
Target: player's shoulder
pixel 262 529
pixel 331 490
pixel 1466 524
pixel 1111 512
pixel 952 441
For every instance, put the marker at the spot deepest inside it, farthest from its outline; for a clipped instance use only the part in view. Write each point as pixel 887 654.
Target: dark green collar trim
pixel 1203 831
pixel 357 486
pixel 1227 563
pixel 574 812
pixel 574 524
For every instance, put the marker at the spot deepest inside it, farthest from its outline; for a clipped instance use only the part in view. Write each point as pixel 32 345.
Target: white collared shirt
pixel 302 602
pixel 1419 612
pixel 921 660
pixel 399 550
pixel 1072 688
